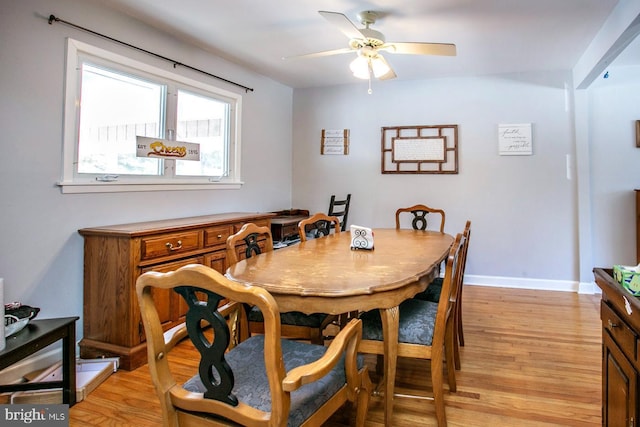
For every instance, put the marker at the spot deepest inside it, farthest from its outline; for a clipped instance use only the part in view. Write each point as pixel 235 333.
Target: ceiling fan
pixel 368 43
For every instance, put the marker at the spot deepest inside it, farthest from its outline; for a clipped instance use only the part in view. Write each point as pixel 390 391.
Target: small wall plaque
pixel 515 140
pixel 334 141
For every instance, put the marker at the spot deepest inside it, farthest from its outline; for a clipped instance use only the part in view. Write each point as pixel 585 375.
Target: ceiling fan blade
pixel 343 23
pixel 417 48
pixel 320 54
pixel 389 74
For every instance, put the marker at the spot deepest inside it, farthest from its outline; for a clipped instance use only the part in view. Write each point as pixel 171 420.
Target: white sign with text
pixel 515 139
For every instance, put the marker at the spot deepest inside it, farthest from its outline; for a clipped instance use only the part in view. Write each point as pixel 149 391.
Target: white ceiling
pixel 492 36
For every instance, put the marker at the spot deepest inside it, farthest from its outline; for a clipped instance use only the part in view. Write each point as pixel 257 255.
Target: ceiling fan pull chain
pixel 369 91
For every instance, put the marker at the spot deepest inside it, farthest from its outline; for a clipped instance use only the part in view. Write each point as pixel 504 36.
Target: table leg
pixel 69 365
pixel 390 324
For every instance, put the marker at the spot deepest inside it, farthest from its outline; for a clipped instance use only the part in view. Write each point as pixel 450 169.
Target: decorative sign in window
pixel 156 147
pixel 420 149
pixel 515 140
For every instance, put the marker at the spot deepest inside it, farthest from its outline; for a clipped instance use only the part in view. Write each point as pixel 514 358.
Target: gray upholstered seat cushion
pixel 416 323
pixel 295 318
pixel 251 386
pixel 432 293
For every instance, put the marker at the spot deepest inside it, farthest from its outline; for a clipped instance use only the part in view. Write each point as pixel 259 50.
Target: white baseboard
pixel 524 283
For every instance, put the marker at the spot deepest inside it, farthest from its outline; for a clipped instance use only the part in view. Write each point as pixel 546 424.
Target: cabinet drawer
pixel 217 235
pixel 170 244
pixel 619 331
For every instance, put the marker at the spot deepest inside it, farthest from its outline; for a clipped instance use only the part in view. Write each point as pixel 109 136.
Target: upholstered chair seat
pixel 417 322
pixel 251 386
pixel 432 293
pixel 294 318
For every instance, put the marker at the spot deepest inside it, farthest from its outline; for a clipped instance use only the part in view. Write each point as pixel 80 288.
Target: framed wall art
pixel 420 149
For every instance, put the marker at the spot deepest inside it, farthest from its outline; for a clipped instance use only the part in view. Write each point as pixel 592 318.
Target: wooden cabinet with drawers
pixel 114 257
pixel 620 315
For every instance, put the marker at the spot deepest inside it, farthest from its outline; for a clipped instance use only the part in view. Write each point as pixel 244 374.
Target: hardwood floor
pixel 532 358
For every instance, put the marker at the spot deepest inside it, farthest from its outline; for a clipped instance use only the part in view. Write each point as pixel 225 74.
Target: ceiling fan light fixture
pixel 360 67
pixel 379 67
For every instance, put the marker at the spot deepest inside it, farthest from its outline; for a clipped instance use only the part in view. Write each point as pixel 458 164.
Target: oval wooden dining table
pixel 325 275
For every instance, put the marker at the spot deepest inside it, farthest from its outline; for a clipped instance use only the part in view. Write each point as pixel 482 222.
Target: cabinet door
pixel 620 386
pixel 217 260
pixel 168 303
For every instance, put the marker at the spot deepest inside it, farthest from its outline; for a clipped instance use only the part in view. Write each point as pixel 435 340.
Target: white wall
pixel 615 165
pixel 521 207
pixel 40 250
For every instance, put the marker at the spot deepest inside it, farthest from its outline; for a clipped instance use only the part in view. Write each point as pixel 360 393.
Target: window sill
pixel 122 187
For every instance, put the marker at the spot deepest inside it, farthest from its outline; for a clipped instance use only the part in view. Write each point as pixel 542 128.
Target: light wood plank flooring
pixel 532 358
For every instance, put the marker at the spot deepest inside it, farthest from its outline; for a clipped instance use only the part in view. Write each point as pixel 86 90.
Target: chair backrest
pixel 456 292
pixel 319 225
pixel 467 235
pixel 420 213
pixel 458 271
pixel 446 304
pixel 257 239
pixel 340 209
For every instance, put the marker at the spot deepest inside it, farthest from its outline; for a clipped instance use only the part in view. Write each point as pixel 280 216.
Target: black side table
pixel 38 334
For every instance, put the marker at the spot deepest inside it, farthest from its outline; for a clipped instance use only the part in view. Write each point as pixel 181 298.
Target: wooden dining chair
pixel 419 215
pixel 425 332
pixel 419 219
pixel 318 225
pixel 252 240
pixel 264 380
pixel 340 209
pixel 432 293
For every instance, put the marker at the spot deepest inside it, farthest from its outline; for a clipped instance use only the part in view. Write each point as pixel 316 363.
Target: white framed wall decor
pixel 515 139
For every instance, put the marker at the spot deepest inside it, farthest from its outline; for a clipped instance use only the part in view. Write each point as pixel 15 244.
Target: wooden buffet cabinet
pixel 620 314
pixel 114 257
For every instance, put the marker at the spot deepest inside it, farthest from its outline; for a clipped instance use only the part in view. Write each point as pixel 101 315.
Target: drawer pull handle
pixel 219 236
pixel 177 248
pixel 611 324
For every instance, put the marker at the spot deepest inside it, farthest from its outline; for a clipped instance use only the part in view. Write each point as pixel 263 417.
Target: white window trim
pixel 69 183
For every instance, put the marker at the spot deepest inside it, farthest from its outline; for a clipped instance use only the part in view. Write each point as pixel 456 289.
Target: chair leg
pixel 380 365
pixel 364 394
pixel 459 323
pixel 456 340
pixel 456 352
pixel 450 356
pixel 438 387
pixel 343 319
pixel 316 336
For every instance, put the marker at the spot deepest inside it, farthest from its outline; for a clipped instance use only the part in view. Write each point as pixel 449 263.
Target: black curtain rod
pixel 53 18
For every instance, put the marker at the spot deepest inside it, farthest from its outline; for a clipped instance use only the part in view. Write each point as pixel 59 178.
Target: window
pixel 111 100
